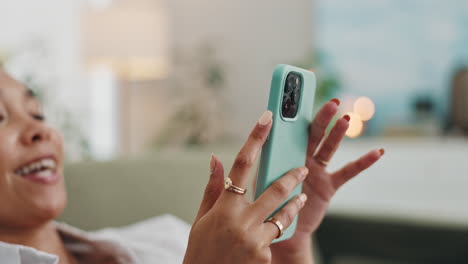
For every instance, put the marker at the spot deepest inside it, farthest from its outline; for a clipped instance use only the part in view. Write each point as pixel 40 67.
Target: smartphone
pixel 291 101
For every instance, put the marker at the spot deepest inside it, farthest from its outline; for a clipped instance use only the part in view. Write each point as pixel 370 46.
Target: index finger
pixel 319 125
pixel 248 154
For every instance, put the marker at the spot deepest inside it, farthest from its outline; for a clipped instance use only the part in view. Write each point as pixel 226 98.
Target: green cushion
pixel 120 192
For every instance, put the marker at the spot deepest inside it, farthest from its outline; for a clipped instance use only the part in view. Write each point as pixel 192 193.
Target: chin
pixel 52 209
pixel 37 210
pixel 48 206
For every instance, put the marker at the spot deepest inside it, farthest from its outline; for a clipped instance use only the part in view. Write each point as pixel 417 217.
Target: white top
pixel 161 239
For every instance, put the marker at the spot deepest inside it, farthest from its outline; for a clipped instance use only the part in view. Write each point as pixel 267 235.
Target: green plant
pixel 196 121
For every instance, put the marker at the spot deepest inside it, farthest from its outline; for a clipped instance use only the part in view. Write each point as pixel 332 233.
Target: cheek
pixel 9 199
pixel 7 149
pixel 23 203
pixel 8 159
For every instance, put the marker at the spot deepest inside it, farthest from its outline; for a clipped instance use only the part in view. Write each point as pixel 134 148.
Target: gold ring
pixel 278 225
pixel 232 188
pixel 321 161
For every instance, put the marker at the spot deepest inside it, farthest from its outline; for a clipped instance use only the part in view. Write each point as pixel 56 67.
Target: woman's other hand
pixel 320 185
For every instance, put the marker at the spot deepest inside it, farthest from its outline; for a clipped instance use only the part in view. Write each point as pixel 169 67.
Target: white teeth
pixel 44 174
pixel 46 164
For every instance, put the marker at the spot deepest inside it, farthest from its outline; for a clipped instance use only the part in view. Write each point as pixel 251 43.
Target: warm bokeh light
pixel 365 108
pixel 356 126
pixel 347 103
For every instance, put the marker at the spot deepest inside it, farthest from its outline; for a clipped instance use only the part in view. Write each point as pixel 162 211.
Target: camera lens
pixel 295 96
pixel 290 84
pixel 286 107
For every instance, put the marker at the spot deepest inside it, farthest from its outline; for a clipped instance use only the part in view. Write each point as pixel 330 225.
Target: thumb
pixel 213 189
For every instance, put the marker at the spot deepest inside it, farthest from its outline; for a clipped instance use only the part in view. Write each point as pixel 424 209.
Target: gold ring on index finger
pixel 232 188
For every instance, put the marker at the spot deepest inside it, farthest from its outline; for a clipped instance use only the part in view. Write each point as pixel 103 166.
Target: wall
pixel 55 23
pixel 251 37
pixel 26 25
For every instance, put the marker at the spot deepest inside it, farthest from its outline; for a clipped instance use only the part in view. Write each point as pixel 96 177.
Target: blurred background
pixel 145 90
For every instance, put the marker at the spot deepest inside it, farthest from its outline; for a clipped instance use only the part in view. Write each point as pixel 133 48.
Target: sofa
pixel 419 183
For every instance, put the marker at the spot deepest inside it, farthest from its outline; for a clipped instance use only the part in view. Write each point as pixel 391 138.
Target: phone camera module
pixel 291 95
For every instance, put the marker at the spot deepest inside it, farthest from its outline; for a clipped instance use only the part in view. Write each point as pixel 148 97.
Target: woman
pixel 227 229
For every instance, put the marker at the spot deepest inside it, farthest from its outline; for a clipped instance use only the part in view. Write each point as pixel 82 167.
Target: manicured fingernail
pixel 304 172
pixel 336 101
pixel 382 151
pixel 303 197
pixel 265 119
pixel 347 117
pixel 212 163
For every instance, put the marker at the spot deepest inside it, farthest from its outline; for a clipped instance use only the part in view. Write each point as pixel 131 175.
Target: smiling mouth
pixel 43 171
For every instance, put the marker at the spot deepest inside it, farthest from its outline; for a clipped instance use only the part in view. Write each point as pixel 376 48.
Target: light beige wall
pixel 145 111
pixel 28 26
pixel 252 37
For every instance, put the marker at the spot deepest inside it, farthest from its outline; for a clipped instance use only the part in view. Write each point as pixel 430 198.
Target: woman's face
pixel 31 160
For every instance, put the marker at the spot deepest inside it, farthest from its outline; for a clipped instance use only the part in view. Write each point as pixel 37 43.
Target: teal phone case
pixel 286 146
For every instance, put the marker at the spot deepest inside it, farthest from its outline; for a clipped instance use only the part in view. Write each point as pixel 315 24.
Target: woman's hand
pixel 320 185
pixel 229 229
